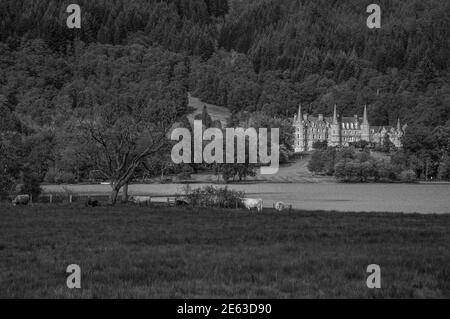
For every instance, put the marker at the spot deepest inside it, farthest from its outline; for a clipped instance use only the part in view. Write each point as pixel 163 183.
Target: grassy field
pixel 183 253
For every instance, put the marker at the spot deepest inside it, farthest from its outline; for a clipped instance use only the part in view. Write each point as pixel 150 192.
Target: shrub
pixel 316 163
pixel 185 173
pixel 320 145
pixel 285 154
pixel 370 170
pixel 408 176
pixel 210 196
pixel 65 178
pixel 183 176
pixel 360 144
pixel 6 184
pixel 444 169
pixel 31 185
pixel 50 176
pixel 339 171
pixel 323 161
pixel 385 171
pixel 96 175
pixel 350 171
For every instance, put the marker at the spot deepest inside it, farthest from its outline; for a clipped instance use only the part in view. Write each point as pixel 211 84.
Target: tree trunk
pixel 125 194
pixel 122 181
pixel 114 194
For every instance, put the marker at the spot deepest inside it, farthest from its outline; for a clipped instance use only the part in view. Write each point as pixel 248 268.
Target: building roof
pixel 378 129
pixel 353 119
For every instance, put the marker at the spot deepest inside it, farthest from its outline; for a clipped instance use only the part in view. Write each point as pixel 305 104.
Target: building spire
pixel 300 112
pixel 335 119
pixel 399 126
pixel 365 119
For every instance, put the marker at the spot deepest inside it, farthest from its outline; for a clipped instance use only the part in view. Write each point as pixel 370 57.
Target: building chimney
pixel 320 117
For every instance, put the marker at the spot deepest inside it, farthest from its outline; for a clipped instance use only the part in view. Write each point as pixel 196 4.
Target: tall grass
pixel 147 252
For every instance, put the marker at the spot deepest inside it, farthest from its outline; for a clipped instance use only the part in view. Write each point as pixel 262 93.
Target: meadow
pixel 343 197
pixel 162 252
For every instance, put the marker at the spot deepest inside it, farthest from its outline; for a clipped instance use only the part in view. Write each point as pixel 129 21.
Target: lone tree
pixel 116 148
pixel 128 100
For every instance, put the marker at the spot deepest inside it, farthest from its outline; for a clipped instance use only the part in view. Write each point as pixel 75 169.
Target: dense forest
pixel 263 56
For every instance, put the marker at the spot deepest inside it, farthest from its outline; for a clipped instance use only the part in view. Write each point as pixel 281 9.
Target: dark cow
pixel 92 203
pixel 21 200
pixel 181 202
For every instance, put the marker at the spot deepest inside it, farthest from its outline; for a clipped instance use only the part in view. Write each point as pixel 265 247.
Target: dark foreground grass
pixel 181 253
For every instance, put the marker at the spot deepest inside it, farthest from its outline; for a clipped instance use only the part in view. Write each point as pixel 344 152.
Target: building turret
pixel 397 134
pixel 365 119
pixel 365 127
pixel 300 132
pixel 334 138
pixel 299 116
pixel 335 117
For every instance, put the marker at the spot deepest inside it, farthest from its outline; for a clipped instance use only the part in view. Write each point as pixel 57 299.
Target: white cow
pixel 141 199
pixel 21 200
pixel 250 203
pixel 280 206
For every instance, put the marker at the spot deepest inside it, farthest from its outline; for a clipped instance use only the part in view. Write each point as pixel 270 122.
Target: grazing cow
pixel 181 202
pixel 92 202
pixel 21 200
pixel 141 200
pixel 250 203
pixel 280 206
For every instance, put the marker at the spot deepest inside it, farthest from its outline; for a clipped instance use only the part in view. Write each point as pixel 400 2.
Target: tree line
pixel 127 73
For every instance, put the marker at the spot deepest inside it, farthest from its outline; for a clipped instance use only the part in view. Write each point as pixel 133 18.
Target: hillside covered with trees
pixel 263 56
